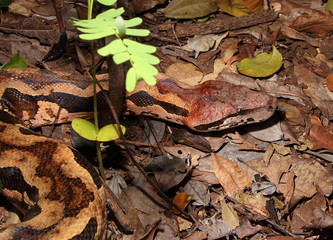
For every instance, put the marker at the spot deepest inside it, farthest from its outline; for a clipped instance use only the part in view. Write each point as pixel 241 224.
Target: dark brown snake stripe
pixel 57 190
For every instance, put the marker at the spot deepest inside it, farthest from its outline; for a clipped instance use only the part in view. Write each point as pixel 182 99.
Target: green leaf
pixel 140 46
pixel 114 47
pixel 110 14
pixel 146 57
pixel 107 2
pixel 263 65
pixel 16 62
pixel 133 22
pixel 109 133
pixel 131 79
pixel 121 57
pixel 186 9
pixel 84 128
pixel 137 32
pixel 5 3
pixel 142 66
pixel 94 36
pixel 149 78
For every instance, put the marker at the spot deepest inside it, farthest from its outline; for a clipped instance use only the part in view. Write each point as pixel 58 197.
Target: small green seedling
pixel 15 62
pixel 139 55
pixel 87 130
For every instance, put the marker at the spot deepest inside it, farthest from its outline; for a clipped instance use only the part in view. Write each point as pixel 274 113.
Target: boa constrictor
pixel 56 189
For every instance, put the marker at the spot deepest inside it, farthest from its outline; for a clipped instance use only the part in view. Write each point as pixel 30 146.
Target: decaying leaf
pixel 240 7
pixel 329 82
pixel 321 137
pixel 310 176
pixel 232 177
pixel 315 88
pixel 292 114
pixel 187 9
pixel 263 65
pixel 255 202
pixel 201 43
pixel 305 212
pixel 229 215
pixel 307 19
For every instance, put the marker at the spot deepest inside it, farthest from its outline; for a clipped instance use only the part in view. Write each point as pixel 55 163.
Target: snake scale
pixel 56 189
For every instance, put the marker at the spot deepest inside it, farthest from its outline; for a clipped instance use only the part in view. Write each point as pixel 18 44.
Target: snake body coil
pixel 57 190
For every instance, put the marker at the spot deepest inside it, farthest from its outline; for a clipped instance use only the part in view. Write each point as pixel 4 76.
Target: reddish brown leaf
pixel 321 137
pixel 231 176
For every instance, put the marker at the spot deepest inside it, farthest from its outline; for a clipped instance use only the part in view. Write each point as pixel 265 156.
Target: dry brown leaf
pixel 183 151
pixel 268 154
pixel 329 82
pixel 197 236
pixel 314 89
pixel 256 203
pixel 185 72
pixel 292 114
pixel 310 175
pixel 307 19
pixel 244 144
pixel 283 238
pixel 204 176
pixel 247 230
pixel 230 175
pixel 321 220
pixel 321 137
pixel 143 5
pixel 278 166
pixel 286 187
pixel 314 120
pixel 304 214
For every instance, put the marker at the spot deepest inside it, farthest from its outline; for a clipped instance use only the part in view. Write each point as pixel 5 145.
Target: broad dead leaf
pixel 309 20
pixel 310 175
pixel 314 89
pixel 304 214
pixel 229 215
pixel 240 7
pixel 232 177
pixel 329 82
pixel 321 137
pixel 186 9
pixel 292 114
pixel 278 166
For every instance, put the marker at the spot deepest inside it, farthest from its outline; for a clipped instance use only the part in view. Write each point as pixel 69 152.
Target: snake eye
pixel 240 111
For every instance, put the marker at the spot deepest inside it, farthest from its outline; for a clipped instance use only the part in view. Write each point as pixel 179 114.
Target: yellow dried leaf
pixel 239 8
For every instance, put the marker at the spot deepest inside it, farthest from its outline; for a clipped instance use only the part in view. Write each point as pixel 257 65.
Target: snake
pixel 57 191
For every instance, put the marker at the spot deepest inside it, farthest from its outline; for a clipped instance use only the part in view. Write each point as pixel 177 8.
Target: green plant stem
pixel 90 8
pixel 98 150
